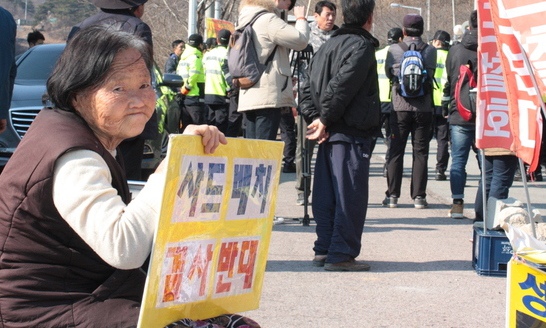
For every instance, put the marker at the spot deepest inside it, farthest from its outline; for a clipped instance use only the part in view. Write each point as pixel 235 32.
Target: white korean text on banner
pixel 521 29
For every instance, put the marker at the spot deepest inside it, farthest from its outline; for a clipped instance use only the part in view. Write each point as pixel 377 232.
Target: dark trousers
pixel 340 196
pixel 441 133
pixel 262 123
pixel 218 116
pixel 132 153
pixel 288 134
pixel 499 176
pixel 386 108
pixel 194 112
pixel 235 119
pixel 402 124
pixel 304 154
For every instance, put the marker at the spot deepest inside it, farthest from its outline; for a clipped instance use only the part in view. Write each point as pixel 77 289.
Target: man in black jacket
pixel 125 15
pixel 462 133
pixel 340 100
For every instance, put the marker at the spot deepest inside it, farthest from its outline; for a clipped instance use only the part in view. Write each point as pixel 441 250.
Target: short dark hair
pixel 394 35
pixel 34 36
pixel 473 22
pixel 357 12
pixel 87 61
pixel 176 43
pixel 412 31
pixel 324 3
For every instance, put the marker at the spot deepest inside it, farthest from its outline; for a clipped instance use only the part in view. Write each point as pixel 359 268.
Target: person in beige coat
pixel 262 102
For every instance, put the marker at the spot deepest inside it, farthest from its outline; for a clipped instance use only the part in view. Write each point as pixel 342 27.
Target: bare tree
pixel 168 18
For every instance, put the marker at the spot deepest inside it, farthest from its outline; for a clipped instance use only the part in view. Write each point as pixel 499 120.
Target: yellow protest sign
pixel 526 285
pixel 210 248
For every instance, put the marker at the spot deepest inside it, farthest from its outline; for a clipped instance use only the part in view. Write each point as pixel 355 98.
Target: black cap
pixel 442 36
pixel 223 36
pixel 118 4
pixel 394 35
pixel 413 21
pixel 195 40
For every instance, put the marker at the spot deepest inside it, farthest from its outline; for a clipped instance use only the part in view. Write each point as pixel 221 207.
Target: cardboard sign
pixel 526 295
pixel 211 244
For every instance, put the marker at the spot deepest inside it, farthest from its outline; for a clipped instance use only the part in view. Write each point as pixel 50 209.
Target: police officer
pixel 218 81
pixel 190 68
pixel 394 35
pixel 441 41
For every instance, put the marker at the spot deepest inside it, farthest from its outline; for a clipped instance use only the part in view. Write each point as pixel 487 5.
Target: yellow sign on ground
pixel 526 296
pixel 210 249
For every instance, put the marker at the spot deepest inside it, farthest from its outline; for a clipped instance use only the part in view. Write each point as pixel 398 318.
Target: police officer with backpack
pixel 412 114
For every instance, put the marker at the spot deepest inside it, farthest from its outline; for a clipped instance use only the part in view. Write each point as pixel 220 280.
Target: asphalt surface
pixel 421 262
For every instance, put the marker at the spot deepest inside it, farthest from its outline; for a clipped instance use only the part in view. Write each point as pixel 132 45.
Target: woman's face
pixel 120 107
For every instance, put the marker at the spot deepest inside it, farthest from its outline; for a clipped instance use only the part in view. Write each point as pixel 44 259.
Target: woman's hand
pixel 317 131
pixel 212 137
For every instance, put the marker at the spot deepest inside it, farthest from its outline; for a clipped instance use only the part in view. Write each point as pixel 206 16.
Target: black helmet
pixel 443 37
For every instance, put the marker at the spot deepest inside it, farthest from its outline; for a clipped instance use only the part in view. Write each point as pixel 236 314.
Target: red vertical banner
pixel 519 26
pixel 492 117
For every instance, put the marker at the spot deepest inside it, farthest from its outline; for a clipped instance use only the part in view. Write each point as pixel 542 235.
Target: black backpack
pixel 243 61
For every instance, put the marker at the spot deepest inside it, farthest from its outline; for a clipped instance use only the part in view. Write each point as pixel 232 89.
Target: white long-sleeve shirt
pixel 120 234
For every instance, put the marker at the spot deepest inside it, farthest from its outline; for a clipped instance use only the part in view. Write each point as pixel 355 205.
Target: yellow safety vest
pixel 215 83
pixel 384 82
pixel 440 75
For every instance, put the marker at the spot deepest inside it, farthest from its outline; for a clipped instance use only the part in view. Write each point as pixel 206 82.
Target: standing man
pixel 190 68
pixel 320 31
pixel 172 62
pixel 394 36
pixel 340 100
pixel 218 81
pixel 7 64
pixel 410 115
pixel 35 38
pixel 441 41
pixel 125 15
pixel 463 133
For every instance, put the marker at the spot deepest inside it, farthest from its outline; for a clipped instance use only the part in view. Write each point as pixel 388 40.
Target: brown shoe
pixel 319 260
pixel 347 266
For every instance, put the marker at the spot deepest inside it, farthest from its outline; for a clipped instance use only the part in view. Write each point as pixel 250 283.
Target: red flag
pixel 520 30
pixel 492 117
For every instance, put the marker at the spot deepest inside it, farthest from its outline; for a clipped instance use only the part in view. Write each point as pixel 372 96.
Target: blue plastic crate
pixel 491 252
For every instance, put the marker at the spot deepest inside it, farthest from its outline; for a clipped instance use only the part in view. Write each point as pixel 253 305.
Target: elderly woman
pixel 71 243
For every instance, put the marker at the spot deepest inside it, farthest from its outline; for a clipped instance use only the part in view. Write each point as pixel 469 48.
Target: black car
pixel 33 69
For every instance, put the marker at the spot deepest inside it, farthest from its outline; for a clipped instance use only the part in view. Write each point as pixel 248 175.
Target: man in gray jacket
pixel 410 115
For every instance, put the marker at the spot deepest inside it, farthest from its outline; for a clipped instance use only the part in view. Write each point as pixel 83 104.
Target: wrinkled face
pixel 283 4
pixel 325 21
pixel 120 107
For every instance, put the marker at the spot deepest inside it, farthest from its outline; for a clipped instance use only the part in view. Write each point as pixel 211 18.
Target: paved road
pixel 421 273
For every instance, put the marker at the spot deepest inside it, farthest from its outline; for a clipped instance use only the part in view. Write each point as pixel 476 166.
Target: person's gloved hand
pixel 184 90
